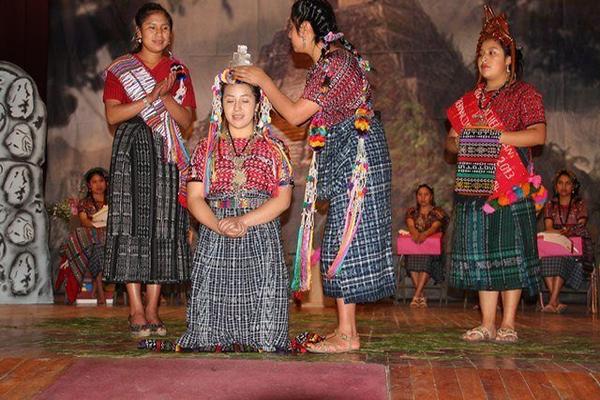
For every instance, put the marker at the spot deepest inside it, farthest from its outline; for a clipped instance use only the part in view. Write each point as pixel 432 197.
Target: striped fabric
pixel 367 274
pixel 146 230
pixel 433 265
pixel 495 251
pixel 138 83
pixel 568 268
pixel 476 163
pixel 84 251
pixel 239 292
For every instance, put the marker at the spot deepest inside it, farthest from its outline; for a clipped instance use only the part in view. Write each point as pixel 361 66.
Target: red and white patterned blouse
pixel 114 90
pixel 263 166
pixel 345 88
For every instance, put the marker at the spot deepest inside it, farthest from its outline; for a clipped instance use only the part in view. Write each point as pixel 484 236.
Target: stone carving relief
pixel 25 274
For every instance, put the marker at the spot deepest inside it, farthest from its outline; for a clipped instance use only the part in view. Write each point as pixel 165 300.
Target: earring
pixel 139 40
pixel 303 42
pixel 508 69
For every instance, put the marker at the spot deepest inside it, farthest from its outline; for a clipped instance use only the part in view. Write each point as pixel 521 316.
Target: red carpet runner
pixel 155 378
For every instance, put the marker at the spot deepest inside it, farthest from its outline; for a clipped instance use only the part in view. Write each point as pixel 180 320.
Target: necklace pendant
pixel 238 162
pixel 239 175
pixel 479 118
pixel 239 179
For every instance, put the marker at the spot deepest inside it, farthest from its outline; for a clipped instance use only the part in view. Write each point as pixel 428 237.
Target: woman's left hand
pixel 250 74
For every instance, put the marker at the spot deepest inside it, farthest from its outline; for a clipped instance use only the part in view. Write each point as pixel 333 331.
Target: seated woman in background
pixel 84 249
pixel 423 221
pixel 566 214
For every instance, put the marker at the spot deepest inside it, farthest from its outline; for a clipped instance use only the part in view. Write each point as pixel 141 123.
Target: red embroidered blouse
pixel 565 216
pixel 262 164
pixel 345 88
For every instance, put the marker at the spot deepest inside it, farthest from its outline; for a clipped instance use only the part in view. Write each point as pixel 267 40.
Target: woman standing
pixel 494 248
pixel 566 214
pixel 423 221
pixel 149 95
pixel 350 168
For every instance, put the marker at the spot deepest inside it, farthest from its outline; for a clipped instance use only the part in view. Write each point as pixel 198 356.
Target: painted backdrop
pixel 422 51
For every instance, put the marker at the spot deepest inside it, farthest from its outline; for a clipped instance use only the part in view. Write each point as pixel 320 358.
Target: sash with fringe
pixel 481 156
pixel 138 83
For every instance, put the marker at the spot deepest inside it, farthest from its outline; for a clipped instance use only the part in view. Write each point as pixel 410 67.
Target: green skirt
pixel 496 251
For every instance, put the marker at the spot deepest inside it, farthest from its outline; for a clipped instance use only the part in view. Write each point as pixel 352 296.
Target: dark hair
pixel 93 172
pixel 319 14
pixel 426 186
pixel 97 171
pixel 574 181
pixel 142 14
pixel 519 62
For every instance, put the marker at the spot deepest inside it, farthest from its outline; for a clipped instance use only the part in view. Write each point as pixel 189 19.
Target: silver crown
pixel 241 56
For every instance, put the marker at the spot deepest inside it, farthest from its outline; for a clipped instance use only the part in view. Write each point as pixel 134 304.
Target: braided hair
pixel 321 17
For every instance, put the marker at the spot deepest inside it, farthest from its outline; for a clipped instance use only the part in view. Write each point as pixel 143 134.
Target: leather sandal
pixel 345 343
pixel 415 303
pixel 158 329
pixel 506 335
pixel 477 334
pixel 138 330
pixel 549 308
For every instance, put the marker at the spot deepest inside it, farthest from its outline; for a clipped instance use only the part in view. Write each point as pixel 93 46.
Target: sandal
pixel 138 330
pixel 561 308
pixel 549 308
pixel 416 302
pixel 423 302
pixel 345 344
pixel 158 329
pixel 477 334
pixel 506 335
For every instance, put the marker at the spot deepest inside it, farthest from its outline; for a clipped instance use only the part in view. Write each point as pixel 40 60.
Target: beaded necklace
pixel 481 98
pixel 239 175
pixel 563 223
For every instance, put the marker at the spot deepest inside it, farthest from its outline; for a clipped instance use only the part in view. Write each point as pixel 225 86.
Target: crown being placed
pixel 241 56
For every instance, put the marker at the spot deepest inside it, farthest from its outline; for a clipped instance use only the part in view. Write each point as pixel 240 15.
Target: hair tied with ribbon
pixel 332 37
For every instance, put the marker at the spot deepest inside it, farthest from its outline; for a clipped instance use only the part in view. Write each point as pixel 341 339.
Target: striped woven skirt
pixel 495 251
pixel 568 268
pixel 433 265
pixel 146 229
pixel 239 296
pixel 367 272
pixel 84 251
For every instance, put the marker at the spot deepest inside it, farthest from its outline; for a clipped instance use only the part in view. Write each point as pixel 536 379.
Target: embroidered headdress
pixel 496 27
pixel 263 125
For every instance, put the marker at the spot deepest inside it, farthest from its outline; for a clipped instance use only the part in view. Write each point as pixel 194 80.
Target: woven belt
pixel 241 202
